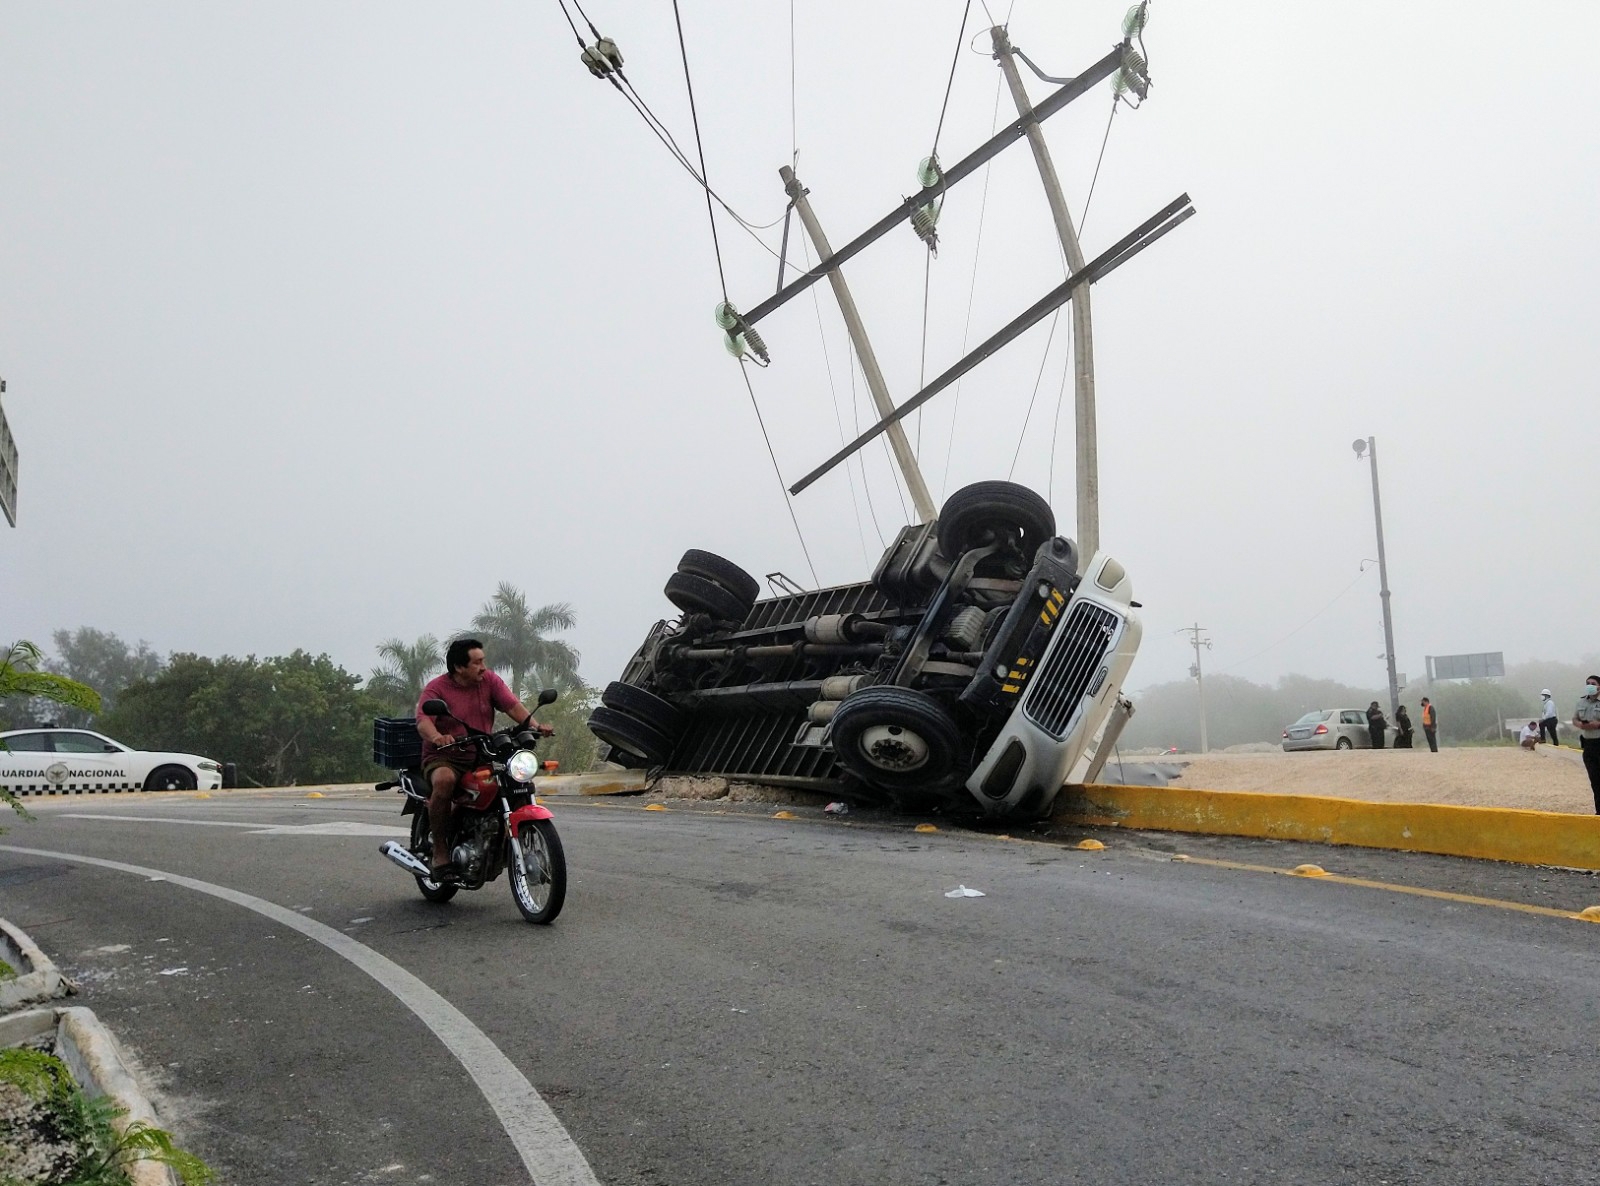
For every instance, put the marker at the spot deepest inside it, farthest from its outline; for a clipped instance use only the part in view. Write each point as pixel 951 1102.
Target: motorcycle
pixel 497 823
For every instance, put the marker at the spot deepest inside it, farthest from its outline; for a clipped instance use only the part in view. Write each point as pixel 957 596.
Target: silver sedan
pixel 1330 728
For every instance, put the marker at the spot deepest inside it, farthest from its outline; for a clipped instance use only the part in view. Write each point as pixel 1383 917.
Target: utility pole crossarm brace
pixel 967 165
pixel 1157 225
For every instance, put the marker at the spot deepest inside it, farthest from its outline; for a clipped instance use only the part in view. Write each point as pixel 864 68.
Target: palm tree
pixel 516 636
pixel 406 669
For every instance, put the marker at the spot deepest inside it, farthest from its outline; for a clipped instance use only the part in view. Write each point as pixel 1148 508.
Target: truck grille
pixel 1072 668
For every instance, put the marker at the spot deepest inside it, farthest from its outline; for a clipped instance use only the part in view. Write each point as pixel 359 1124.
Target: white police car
pixel 76 761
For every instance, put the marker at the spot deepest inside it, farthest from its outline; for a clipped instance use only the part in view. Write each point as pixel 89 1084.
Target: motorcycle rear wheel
pixel 538 873
pixel 422 846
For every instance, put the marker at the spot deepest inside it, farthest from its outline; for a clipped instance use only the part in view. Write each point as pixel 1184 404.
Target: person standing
pixel 1403 730
pixel 1376 725
pixel 1586 720
pixel 1430 724
pixel 1547 719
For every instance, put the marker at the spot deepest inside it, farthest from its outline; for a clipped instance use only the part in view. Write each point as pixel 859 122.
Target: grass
pixel 62 1137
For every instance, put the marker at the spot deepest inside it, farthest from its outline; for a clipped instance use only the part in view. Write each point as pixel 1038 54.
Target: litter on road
pixel 962 891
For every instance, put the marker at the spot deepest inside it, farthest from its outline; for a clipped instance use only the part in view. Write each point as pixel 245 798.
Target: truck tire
pixel 632 736
pixel 980 513
pixel 663 716
pixel 720 572
pixel 696 595
pixel 895 738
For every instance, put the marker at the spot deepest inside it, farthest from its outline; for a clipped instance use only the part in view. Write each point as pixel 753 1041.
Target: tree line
pixel 1238 711
pixel 299 718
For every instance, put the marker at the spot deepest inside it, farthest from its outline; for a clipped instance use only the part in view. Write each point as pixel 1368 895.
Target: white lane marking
pixel 550 1154
pixel 330 828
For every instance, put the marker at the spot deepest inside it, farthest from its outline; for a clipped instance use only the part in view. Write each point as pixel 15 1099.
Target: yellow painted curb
pixel 1488 833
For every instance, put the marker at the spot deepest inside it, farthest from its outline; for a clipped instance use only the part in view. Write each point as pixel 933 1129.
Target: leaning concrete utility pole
pixel 1082 334
pixel 1369 449
pixel 920 498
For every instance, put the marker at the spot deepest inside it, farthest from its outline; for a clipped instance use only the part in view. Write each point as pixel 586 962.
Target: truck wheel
pixel 659 714
pixel 630 735
pixel 696 595
pixel 895 737
pixel 983 512
pixel 720 572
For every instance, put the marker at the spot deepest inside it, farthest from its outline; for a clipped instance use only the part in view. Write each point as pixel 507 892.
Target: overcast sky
pixel 319 320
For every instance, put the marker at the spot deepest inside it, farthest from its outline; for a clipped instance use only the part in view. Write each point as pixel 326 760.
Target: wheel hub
pixel 893 747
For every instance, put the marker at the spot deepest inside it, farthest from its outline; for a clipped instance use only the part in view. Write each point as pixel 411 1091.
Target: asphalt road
pixel 731 998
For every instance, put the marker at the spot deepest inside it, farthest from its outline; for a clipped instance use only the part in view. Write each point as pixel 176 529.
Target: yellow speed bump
pixel 925 828
pixel 784 815
pixel 1589 914
pixel 1090 844
pixel 203 795
pixel 1310 871
pixel 315 795
pixel 655 807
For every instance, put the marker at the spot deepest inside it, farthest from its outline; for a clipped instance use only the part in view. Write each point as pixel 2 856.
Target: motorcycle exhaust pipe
pixel 402 856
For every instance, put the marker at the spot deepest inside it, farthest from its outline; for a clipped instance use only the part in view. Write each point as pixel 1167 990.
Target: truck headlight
pixel 523 765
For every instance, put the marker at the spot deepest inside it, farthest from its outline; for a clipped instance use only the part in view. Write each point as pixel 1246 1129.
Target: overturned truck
pixel 980 669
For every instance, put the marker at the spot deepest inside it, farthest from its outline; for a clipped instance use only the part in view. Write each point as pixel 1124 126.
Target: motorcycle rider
pixel 474 693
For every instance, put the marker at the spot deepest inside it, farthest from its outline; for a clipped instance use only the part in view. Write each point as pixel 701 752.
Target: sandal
pixel 443 873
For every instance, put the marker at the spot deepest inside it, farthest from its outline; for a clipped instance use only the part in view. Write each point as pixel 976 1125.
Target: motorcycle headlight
pixel 523 765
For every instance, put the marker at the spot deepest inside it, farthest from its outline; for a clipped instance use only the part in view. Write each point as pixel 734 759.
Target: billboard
pixel 1483 665
pixel 8 467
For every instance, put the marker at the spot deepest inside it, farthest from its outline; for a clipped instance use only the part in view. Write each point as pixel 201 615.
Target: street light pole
pixel 1369 449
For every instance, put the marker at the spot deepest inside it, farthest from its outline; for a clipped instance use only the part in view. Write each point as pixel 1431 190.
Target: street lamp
pixel 1368 450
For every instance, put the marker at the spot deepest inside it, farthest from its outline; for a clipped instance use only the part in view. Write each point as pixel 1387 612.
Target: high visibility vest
pixel 1427 716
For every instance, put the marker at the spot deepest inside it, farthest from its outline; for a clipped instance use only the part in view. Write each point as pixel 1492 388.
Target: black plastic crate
pixel 396 744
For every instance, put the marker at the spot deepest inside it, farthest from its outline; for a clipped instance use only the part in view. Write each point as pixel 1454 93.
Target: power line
pixel 1021 436
pixel 711 214
pixel 788 498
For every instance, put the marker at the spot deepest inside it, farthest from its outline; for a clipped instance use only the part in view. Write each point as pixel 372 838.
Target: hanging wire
pixel 951 81
pixel 1298 628
pixel 1054 318
pixel 788 499
pixel 983 207
pixel 1055 428
pixel 794 134
pixel 744 370
pixel 586 19
pixel 1082 218
pixel 833 389
pixel 570 22
pixel 861 455
pixel 700 148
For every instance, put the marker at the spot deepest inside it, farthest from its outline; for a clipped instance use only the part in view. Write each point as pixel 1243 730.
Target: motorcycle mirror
pixel 548 696
pixel 436 708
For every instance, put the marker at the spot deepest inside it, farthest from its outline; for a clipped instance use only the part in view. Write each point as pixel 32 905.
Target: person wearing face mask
pixel 1586 720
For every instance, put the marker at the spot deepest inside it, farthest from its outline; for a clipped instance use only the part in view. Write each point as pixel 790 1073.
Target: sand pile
pixel 1541 780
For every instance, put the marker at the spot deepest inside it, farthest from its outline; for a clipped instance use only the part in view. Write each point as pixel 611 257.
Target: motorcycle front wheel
pixel 422 846
pixel 538 870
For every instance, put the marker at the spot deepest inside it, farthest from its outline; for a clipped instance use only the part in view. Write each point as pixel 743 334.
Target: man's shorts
pixel 460 765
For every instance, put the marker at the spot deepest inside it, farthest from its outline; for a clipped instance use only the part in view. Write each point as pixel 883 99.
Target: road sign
pixel 1483 665
pixel 8 467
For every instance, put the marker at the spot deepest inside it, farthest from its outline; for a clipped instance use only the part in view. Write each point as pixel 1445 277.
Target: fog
pixel 319 320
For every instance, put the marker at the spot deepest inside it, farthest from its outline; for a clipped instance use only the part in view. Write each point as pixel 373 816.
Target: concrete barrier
pixel 37 977
pixel 1488 833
